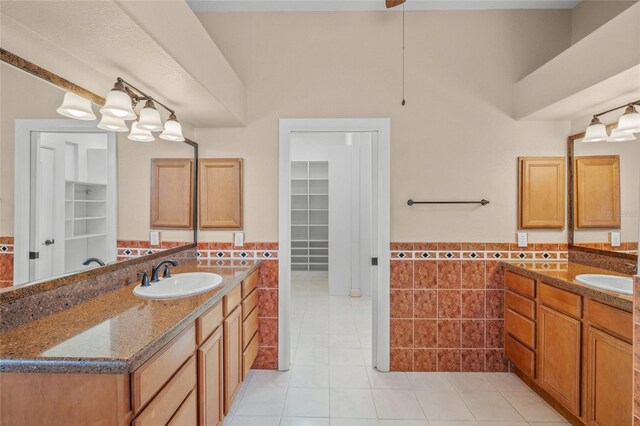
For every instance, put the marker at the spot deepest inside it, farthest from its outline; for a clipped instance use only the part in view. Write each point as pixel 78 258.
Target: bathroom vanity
pixel 121 359
pixel 571 342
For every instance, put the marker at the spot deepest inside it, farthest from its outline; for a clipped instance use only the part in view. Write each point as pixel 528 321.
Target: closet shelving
pixel 85 210
pixel 310 216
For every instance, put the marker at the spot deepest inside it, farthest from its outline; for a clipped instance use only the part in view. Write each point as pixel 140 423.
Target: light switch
pixel 154 238
pixel 522 239
pixel 614 237
pixel 238 239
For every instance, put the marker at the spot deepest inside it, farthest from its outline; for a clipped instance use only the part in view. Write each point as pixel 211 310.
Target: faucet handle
pixel 167 271
pixel 145 278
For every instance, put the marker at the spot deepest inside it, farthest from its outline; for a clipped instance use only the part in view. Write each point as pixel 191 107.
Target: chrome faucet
pixel 91 260
pixel 167 270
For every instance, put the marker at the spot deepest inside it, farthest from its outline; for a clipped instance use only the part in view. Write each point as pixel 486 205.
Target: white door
pixel 48 178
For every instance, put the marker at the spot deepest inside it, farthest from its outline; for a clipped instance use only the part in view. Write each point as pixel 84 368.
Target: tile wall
pixel 6 261
pixel 447 303
pixel 267 291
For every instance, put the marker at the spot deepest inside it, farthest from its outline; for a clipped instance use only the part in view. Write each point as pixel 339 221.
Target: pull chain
pixel 403 100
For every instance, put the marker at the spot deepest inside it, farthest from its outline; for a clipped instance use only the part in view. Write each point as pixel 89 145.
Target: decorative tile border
pixel 131 249
pixel 253 251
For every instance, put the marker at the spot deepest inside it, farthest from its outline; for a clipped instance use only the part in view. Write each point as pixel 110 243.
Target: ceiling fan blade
pixel 394 3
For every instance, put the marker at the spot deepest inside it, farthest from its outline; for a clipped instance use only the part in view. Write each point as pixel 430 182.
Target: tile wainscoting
pixel 447 303
pixel 6 261
pixel 267 291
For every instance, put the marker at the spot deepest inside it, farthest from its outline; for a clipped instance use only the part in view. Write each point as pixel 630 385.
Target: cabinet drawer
pixel 168 401
pixel 249 303
pixel 187 414
pixel 231 300
pixel 564 301
pixel 520 327
pixel 520 304
pixel 608 318
pixel 249 328
pixel 520 284
pixel 147 380
pixel 250 283
pixel 520 355
pixel 249 355
pixel 208 322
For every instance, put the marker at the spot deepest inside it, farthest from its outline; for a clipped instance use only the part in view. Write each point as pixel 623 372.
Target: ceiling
pixel 359 5
pixel 170 56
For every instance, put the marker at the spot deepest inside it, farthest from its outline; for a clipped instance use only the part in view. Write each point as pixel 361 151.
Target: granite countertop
pixel 563 274
pixel 114 333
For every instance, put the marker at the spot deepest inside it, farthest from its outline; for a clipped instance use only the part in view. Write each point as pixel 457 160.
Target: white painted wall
pixel 349 157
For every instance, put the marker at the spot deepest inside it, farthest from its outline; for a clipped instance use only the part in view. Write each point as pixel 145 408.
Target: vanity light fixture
pixel 628 124
pixel 74 106
pixel 119 106
pixel 618 135
pixel 172 130
pixel 140 135
pixel 630 120
pixel 118 103
pixel 596 132
pixel 113 124
pixel 150 118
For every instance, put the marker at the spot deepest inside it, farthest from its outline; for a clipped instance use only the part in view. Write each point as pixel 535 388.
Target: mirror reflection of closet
pixel 79 168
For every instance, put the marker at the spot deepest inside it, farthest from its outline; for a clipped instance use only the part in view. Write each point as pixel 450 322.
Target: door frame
pixel 22 182
pixel 381 291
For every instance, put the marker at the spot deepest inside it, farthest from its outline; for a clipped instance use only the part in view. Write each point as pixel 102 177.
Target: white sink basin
pixel 614 283
pixel 179 285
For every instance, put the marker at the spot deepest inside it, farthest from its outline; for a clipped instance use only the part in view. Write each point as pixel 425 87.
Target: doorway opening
pixel 334 242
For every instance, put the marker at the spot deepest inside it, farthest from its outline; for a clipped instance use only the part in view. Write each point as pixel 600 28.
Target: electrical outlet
pixel 154 238
pixel 614 237
pixel 522 239
pixel 238 239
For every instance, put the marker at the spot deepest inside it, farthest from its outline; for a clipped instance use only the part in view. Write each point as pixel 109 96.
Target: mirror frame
pixel 54 79
pixel 570 203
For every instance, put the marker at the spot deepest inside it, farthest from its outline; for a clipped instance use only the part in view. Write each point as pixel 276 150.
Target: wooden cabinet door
pixel 232 356
pixel 609 380
pixel 559 357
pixel 210 379
pixel 171 193
pixel 541 192
pixel 597 191
pixel 220 183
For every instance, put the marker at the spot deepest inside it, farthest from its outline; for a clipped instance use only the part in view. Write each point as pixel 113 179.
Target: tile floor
pixel 331 381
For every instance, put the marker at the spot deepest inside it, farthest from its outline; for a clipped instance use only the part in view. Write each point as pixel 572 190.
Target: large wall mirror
pixel 604 196
pixel 73 196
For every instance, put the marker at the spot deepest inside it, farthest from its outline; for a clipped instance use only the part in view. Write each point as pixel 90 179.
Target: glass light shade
pixel 618 135
pixel 630 121
pixel 172 130
pixel 118 105
pixel 113 124
pixel 140 135
pixel 596 132
pixel 74 106
pixel 150 118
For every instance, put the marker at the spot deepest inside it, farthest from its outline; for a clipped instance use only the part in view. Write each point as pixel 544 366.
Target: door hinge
pixel 34 255
pixel 374 261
